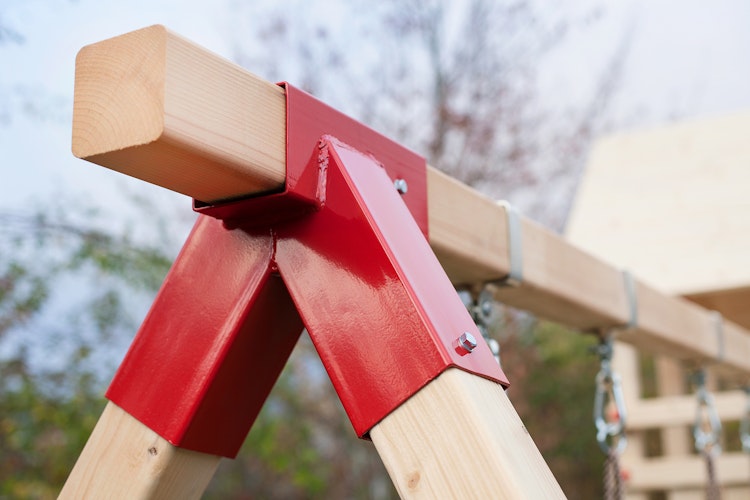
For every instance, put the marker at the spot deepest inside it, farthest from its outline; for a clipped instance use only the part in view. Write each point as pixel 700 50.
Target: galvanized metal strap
pixel 632 297
pixel 718 321
pixel 515 246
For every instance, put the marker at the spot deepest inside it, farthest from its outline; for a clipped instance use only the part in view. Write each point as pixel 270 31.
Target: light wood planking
pixel 689 472
pixel 679 411
pixel 125 459
pixel 160 108
pixel 564 284
pixel 468 231
pixel 673 203
pixel 460 437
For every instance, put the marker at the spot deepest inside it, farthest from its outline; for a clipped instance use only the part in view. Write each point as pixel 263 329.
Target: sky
pixel 688 58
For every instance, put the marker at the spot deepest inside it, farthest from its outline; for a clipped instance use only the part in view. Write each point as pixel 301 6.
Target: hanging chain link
pixel 707 426
pixel 610 428
pixel 707 433
pixel 609 418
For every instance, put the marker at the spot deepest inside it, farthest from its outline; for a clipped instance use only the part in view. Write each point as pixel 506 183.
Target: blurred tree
pixel 66 295
pixel 458 82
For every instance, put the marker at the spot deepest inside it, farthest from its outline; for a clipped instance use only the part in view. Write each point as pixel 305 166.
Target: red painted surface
pixel 381 311
pixel 383 315
pixel 213 344
pixel 307 120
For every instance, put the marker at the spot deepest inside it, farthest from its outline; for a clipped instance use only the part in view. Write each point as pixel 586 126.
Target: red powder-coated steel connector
pixel 342 251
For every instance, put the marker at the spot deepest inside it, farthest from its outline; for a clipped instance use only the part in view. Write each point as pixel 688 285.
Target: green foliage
pixel 557 392
pixel 40 435
pixel 51 369
pixel 302 445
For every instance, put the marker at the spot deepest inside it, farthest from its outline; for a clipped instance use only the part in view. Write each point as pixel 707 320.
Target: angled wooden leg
pixel 460 437
pixel 125 459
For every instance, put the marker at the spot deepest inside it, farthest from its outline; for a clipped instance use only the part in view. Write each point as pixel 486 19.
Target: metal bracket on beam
pixel 340 251
pixel 718 321
pixel 515 246
pixel 632 296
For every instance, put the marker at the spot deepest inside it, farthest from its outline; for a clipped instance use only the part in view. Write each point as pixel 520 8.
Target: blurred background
pixel 507 96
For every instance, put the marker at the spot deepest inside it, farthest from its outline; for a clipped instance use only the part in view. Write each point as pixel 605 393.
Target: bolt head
pixel 467 341
pixel 401 186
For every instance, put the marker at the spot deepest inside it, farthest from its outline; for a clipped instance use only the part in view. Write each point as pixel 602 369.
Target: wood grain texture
pixel 672 204
pixel 679 411
pixel 732 303
pixel 460 437
pixel 468 231
pixel 157 107
pixel 125 459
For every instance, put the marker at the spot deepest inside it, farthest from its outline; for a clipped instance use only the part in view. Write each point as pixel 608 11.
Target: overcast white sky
pixel 688 57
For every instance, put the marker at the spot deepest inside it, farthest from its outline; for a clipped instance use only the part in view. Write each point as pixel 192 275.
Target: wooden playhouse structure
pixel 672 205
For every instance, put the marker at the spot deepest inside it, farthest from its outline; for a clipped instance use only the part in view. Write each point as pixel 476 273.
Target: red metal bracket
pixel 356 268
pixel 307 120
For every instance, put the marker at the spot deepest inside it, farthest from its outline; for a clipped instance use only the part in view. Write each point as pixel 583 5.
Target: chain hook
pixel 481 310
pixel 610 429
pixel 707 426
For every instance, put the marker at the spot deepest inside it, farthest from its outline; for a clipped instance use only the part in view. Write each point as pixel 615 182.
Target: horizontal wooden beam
pixel 673 473
pixel 673 411
pixel 157 107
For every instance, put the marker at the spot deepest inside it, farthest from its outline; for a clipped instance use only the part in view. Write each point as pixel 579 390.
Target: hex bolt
pixel 467 341
pixel 401 186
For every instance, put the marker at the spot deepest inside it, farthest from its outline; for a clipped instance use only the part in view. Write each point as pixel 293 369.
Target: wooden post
pixel 460 437
pixel 125 459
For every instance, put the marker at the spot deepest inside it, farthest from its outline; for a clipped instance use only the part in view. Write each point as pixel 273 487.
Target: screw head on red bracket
pixel 467 342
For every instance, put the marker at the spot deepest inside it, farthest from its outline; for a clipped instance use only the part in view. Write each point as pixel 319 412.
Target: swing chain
pixel 707 426
pixel 745 423
pixel 610 432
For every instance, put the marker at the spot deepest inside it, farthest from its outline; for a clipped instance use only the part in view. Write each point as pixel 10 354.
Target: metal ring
pixel 706 440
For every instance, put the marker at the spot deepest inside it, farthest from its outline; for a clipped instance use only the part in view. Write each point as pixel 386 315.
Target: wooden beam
pixel 155 106
pixel 564 284
pixel 732 303
pixel 459 437
pixel 688 472
pixel 674 411
pixel 160 108
pixel 468 231
pixel 125 459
